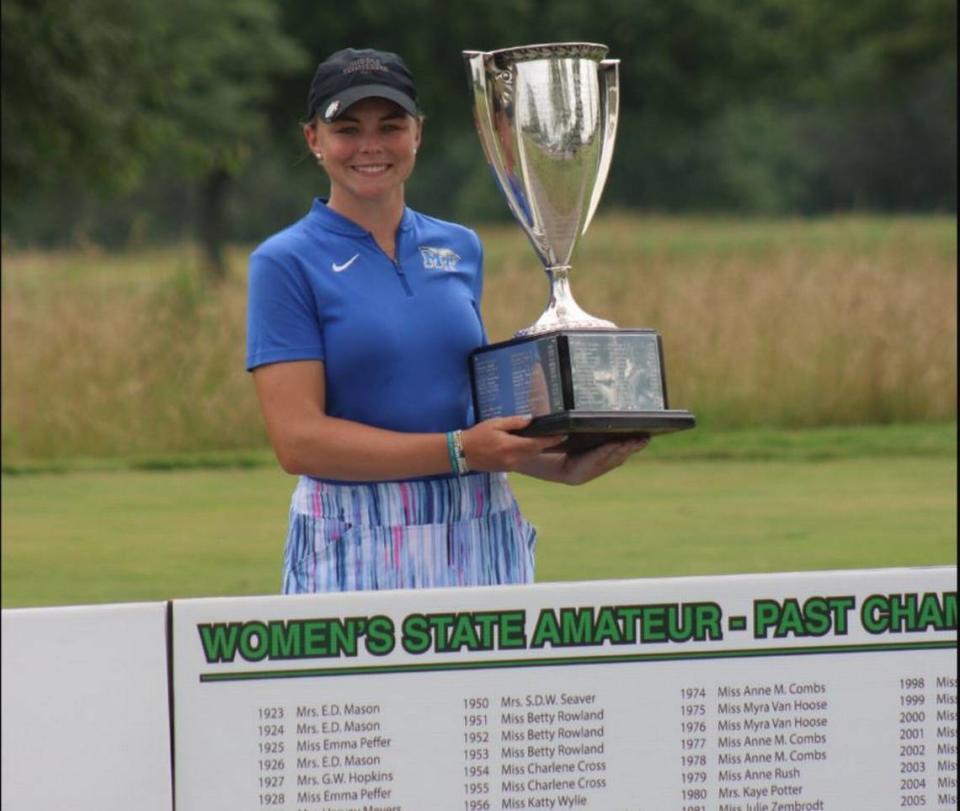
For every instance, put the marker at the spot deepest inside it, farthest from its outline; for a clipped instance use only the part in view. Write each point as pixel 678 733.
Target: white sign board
pixel 796 692
pixel 85 709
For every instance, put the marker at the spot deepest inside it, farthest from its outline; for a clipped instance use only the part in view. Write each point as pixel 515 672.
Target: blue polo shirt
pixel 394 336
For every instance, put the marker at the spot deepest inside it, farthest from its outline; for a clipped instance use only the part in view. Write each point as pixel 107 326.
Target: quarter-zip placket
pixel 403 277
pixel 401 274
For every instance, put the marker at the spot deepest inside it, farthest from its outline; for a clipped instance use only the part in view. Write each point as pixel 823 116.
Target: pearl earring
pixel 319 157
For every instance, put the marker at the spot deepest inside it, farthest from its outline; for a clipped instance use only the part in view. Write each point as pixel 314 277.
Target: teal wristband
pixel 452 452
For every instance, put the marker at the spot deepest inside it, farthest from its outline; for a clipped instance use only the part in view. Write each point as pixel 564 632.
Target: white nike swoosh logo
pixel 340 268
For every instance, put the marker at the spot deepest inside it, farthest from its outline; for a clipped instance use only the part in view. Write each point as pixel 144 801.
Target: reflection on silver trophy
pixel 547 119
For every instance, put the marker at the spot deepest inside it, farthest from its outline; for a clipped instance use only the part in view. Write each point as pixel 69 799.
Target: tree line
pixel 126 121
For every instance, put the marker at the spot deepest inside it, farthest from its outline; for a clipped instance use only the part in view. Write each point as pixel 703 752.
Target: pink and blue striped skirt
pixel 458 531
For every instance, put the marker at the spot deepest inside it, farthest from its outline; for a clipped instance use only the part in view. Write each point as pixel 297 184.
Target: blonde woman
pixel 361 317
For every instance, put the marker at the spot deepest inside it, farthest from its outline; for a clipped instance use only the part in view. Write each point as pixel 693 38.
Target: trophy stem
pixel 562 311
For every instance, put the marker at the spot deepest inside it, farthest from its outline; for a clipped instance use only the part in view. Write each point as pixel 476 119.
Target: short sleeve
pixel 282 319
pixel 478 284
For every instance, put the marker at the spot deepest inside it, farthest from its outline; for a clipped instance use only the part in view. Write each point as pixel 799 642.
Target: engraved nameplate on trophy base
pixel 596 386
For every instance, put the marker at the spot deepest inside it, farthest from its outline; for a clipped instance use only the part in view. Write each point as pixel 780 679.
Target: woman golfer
pixel 361 317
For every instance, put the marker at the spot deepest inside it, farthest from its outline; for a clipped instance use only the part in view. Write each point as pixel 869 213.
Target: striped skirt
pixel 465 531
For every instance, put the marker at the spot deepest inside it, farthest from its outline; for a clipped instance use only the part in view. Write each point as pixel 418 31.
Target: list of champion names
pixel 787 745
pixel 765 744
pixel 926 717
pixel 534 750
pixel 321 757
pixel 771 740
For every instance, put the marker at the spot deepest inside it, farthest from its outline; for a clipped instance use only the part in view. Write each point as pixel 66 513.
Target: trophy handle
pixel 609 75
pixel 484 117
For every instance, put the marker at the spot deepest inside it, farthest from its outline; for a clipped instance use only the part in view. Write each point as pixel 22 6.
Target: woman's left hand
pixel 583 467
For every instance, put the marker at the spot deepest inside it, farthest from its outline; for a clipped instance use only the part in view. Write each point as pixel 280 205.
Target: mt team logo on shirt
pixel 438 258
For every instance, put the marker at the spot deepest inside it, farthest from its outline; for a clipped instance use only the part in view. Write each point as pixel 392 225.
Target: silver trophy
pixel 547 120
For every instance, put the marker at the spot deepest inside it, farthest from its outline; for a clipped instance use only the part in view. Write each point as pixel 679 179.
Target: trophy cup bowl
pixel 547 120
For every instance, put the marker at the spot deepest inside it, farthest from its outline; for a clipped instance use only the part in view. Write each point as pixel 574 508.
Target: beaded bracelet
pixel 462 466
pixel 458 459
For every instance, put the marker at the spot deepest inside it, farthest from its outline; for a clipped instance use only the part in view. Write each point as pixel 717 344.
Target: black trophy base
pixel 594 386
pixel 586 430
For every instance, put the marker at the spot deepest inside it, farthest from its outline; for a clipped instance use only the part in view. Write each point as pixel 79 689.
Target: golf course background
pixel 818 354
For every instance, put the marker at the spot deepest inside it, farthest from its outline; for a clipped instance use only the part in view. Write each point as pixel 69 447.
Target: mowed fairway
pixel 127 535
pixel 666 519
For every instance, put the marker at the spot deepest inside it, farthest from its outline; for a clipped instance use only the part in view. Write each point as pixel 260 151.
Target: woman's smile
pixel 371 168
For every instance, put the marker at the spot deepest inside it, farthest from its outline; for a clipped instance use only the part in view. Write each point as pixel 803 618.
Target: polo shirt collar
pixel 328 219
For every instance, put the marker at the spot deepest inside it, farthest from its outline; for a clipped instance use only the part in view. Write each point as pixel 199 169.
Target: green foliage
pixel 758 107
pixel 219 66
pixel 869 48
pixel 98 92
pixel 79 92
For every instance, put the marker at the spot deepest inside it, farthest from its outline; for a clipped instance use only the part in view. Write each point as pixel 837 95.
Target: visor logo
pixel 332 108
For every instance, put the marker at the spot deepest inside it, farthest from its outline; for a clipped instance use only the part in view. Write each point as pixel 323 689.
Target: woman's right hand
pixel 490 446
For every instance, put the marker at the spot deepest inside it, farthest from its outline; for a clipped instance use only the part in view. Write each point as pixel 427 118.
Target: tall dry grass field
pixel 123 355
pixel 836 321
pixel 847 320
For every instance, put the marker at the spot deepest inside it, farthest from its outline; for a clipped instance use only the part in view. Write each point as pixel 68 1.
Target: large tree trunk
pixel 210 221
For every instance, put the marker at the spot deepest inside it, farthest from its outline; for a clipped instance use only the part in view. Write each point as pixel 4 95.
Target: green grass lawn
pixel 750 502
pixel 663 519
